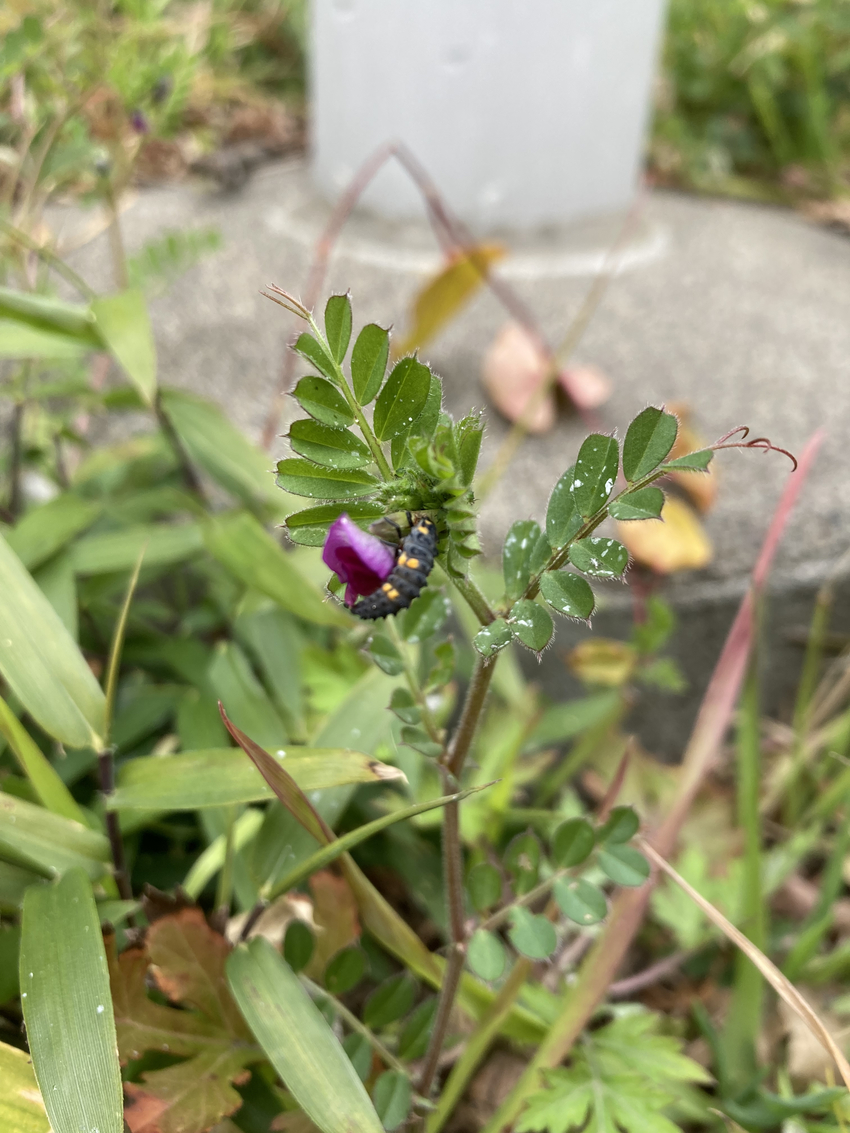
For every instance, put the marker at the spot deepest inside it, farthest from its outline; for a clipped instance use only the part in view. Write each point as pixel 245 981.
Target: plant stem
pixel 106 768
pixel 452 760
pixel 116 241
pixel 478 1044
pixel 50 258
pixel 473 597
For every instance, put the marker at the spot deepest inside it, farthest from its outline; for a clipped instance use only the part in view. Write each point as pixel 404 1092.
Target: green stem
pixel 50 258
pixel 472 595
pixel 224 889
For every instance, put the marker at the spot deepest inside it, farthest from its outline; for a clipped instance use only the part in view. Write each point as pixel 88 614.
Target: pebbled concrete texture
pixel 742 312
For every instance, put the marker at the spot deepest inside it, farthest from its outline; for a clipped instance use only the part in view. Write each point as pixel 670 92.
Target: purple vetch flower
pixel 139 122
pixel 360 560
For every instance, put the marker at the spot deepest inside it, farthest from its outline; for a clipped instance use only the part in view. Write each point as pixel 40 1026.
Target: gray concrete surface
pixel 739 311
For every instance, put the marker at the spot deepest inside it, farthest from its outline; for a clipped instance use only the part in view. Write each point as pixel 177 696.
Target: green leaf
pixel 421 741
pixel 643 503
pixel 22 340
pixel 48 786
pixel 338 324
pixel 298 945
pixel 309 528
pixel 311 349
pixel 67 1007
pixel 235 684
pixel 517 553
pixel 330 447
pixel 224 777
pixel 118 551
pixel 298 1042
pixel 369 362
pixel 595 473
pixel 425 616
pixel 243 546
pixel 600 558
pixel 531 624
pixel 533 935
pixel 484 883
pixel 45 530
pixel 14 882
pixel 402 399
pixel 493 638
pixel 390 1001
pixel 21 1107
pixel 345 970
pixel 623 864
pixel 563 721
pixel 580 901
pixel 413 1041
pixel 215 444
pixel 568 594
pixel 48 843
pixel 648 441
pixel 429 418
pixel 359 1050
pixel 392 1095
pixel 321 400
pixel 405 707
pixel 690 462
pixel 563 520
pixel 469 433
pixel 123 324
pixel 48 313
pixel 486 955
pixel 522 860
pixel 623 823
pixel 572 842
pixel 330 852
pixel 385 655
pixel 305 479
pixel 41 662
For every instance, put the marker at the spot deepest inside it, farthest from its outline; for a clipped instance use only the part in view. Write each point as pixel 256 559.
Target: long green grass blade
pixel 68 1008
pixel 48 843
pixel 21 1107
pixel 51 791
pixel 42 663
pixel 298 1042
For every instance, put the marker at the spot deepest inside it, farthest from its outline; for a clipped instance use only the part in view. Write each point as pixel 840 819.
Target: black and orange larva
pixel 408 577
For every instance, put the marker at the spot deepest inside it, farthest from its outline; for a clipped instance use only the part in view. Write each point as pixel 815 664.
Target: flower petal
pixel 360 560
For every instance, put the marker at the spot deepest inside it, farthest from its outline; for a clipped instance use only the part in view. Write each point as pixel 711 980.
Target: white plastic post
pixel 526 113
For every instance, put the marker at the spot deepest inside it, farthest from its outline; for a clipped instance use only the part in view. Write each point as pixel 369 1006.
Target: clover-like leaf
pixel 533 935
pixel 328 446
pixel 531 624
pixel 323 401
pixel 493 638
pixel 563 520
pixel 568 594
pixel 643 503
pixel 601 558
pixel 579 900
pixel 486 955
pixel 338 325
pixel 369 362
pixel 402 399
pixel 313 350
pixel 648 441
pixel 303 478
pixel 595 473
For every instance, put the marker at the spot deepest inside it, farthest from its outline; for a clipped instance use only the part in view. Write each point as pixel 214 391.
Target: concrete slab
pixel 739 311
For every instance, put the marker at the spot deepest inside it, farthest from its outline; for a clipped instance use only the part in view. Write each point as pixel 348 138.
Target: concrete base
pixel 739 311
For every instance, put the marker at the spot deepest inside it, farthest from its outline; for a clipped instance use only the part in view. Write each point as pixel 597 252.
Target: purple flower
pixel 361 560
pixel 139 122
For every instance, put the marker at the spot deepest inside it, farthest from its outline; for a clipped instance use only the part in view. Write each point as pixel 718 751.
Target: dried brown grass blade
pixel 781 984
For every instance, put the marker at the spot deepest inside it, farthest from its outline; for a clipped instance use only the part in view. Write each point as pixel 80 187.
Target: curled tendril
pixel 289 302
pixel 756 442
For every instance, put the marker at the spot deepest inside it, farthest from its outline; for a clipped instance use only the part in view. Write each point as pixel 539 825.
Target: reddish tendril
pixel 757 442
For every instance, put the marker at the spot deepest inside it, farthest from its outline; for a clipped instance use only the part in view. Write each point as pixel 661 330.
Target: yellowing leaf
pixel 700 486
pixel 513 370
pixel 447 293
pixel 601 661
pixel 676 541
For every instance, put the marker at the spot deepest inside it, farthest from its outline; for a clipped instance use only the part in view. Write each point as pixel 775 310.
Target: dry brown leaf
pixel 445 295
pixel 676 541
pixel 602 661
pixel 700 486
pixel 513 370
pixel 335 915
pixel 586 386
pixel 274 921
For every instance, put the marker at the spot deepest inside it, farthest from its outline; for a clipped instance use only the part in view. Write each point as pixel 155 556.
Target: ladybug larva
pixel 408 577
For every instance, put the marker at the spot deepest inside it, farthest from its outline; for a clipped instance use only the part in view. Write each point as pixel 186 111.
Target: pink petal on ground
pixel 513 370
pixel 586 386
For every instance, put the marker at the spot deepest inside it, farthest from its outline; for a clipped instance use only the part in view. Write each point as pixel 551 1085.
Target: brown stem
pixel 453 759
pixel 621 989
pixel 106 768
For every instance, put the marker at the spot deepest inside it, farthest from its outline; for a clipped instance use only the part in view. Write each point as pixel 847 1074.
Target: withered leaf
pixel 189 1097
pixel 675 542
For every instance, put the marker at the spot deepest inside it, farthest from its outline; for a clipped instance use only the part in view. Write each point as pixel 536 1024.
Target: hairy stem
pixel 472 595
pixel 452 760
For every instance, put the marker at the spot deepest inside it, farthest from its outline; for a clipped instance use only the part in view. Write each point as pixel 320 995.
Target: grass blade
pixel 780 983
pixel 298 1042
pixel 117 645
pixel 21 1107
pixel 68 1008
pixel 47 784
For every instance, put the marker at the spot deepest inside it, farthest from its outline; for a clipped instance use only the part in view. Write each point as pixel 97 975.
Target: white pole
pixel 526 113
